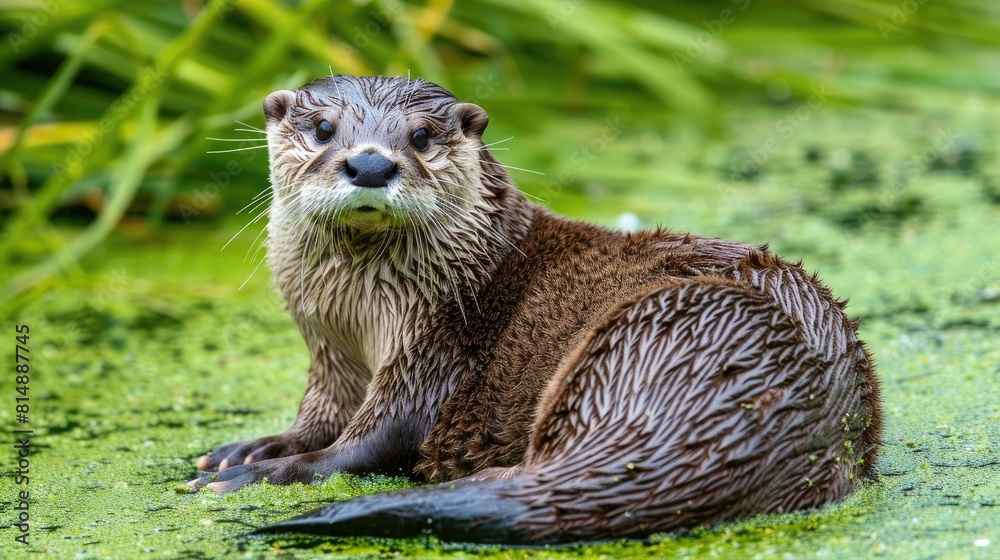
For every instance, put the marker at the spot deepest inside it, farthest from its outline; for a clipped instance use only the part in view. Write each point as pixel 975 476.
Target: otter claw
pixel 223 481
pixel 285 470
pixel 251 451
pixel 201 481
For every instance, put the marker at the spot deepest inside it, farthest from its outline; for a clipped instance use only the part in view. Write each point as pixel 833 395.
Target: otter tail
pixel 464 512
pixel 697 401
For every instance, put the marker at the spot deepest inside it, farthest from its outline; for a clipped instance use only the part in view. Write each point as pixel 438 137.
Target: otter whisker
pixel 251 275
pixel 251 248
pixel 468 281
pixel 259 246
pixel 237 149
pixel 505 180
pixel 442 234
pixel 339 92
pixel 433 272
pixel 498 142
pixel 460 214
pixel 408 250
pixel 488 228
pixel 266 191
pixel 449 276
pixel 492 177
pixel 413 88
pixel 424 261
pixel 460 265
pixel 416 243
pixel 250 223
pixel 428 237
pixel 236 139
pixel 256 203
pixel 251 127
pixel 522 169
pixel 500 178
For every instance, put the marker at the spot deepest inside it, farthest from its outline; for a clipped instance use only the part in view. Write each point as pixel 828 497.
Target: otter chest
pixel 369 313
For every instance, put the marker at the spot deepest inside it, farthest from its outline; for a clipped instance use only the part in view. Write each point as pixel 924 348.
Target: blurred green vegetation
pixel 106 105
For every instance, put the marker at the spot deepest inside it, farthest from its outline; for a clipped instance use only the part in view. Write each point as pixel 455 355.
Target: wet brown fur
pixel 635 382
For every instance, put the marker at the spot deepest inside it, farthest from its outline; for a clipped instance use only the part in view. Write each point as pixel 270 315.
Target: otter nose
pixel 369 169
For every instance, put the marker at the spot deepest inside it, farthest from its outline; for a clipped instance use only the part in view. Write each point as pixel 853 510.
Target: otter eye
pixel 324 132
pixel 419 139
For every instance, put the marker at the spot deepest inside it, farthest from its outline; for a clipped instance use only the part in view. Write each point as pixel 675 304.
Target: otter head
pixel 375 154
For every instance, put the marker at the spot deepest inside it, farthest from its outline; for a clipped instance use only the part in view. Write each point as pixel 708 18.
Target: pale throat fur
pixel 362 270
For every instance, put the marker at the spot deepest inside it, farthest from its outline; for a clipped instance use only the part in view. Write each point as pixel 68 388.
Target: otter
pixel 560 381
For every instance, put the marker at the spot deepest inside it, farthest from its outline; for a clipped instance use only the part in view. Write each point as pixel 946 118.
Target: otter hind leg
pixel 827 329
pixel 695 402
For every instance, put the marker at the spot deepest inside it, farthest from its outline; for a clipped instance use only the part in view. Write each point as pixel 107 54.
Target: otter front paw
pixel 284 470
pixel 251 451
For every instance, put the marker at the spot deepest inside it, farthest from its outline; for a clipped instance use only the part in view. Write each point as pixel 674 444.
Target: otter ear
pixel 474 119
pixel 276 105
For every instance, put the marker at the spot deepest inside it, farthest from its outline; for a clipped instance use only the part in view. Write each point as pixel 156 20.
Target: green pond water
pixel 147 355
